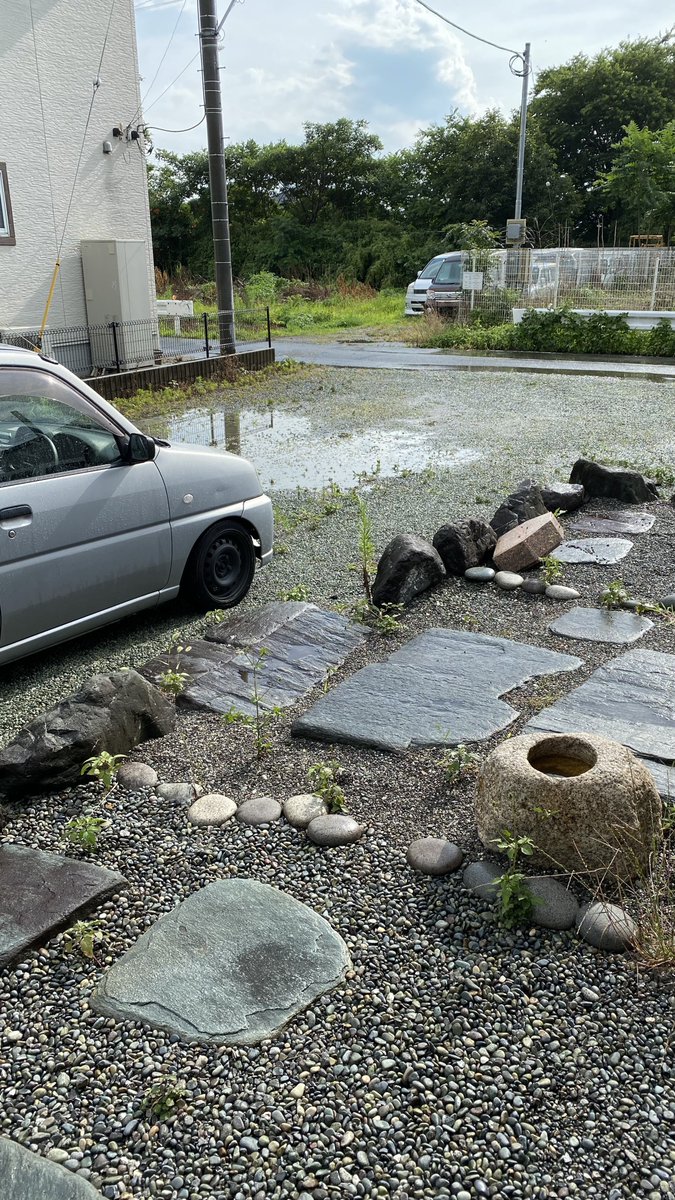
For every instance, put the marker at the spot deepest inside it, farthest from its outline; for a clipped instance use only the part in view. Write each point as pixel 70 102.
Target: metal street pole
pixel 523 126
pixel 213 108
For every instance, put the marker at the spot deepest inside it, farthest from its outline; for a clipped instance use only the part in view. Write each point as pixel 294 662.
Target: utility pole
pixel 523 126
pixel 213 108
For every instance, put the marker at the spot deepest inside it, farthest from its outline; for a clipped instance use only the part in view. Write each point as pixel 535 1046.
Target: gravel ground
pixel 458 1058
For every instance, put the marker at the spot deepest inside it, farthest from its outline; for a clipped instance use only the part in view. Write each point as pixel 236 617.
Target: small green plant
pixel 262 714
pixel 330 673
pixel 615 594
pixel 366 546
pixel 458 761
pixel 103 766
pixel 551 569
pixel 173 681
pixel 83 936
pixel 385 620
pixel 165 1098
pixel 299 592
pixel 516 901
pixel 470 620
pixel 323 778
pixel 84 832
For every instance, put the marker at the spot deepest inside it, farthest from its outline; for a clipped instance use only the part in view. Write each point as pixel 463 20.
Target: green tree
pixel 641 181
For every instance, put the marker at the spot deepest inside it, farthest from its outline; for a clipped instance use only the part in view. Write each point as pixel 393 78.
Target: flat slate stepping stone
pixel 259 810
pixel 554 905
pixel 302 643
pixel 600 552
pixel 40 893
pixel 601 625
pixel 613 522
pixel 479 878
pixel 631 699
pixel 335 829
pixel 606 926
pixel 300 810
pixel 26 1176
pixel 440 689
pixel 663 775
pixel 230 965
pixel 434 856
pixel 213 809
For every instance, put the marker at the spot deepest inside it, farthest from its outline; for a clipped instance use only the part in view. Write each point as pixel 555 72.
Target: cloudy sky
pixel 388 61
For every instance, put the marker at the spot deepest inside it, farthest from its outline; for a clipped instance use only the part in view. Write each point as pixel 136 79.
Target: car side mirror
pixel 140 448
pixel 418 274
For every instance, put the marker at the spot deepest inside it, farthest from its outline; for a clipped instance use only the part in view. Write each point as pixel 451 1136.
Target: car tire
pixel 221 567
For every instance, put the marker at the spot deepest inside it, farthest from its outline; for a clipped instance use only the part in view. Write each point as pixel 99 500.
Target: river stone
pixel 259 810
pixel 480 574
pixel 523 504
pixel 300 810
pixel 479 878
pixel 40 893
pixel 599 552
pixel 335 829
pixel 230 965
pixel 614 483
pixel 564 496
pixel 508 581
pixel 606 926
pixel 613 522
pixel 440 689
pixel 27 1176
pixel 554 905
pixel 631 699
pixel 178 793
pixel 109 712
pixel 409 565
pixel 434 856
pixel 558 591
pixel 212 809
pixel 302 642
pixel 464 544
pixel 601 625
pixel 534 587
pixel 669 600
pixel 132 776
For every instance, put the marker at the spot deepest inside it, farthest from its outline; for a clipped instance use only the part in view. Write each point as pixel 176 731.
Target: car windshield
pixel 431 268
pixel 449 272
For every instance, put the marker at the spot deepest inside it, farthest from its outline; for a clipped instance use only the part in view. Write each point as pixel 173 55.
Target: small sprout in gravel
pixel 615 594
pixel 516 901
pixel 457 762
pixel 330 673
pixel 103 766
pixel 165 1098
pixel 281 548
pixel 551 570
pixel 323 778
pixel 331 499
pixel 173 683
pixel 299 592
pixel 83 936
pixel 470 621
pixel 385 620
pixel 367 551
pixel 84 832
pixel 261 717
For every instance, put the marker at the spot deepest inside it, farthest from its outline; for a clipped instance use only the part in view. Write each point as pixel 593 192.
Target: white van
pixel 416 295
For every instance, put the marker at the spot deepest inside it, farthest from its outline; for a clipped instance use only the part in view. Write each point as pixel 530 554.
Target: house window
pixel 6 220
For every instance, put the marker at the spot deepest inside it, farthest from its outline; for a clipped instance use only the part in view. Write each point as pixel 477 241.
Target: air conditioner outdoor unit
pixel 123 330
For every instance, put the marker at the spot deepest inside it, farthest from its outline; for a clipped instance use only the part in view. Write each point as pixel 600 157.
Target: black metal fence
pixel 90 350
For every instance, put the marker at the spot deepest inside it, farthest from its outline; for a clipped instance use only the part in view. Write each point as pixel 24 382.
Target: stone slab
pixel 302 643
pixel 440 689
pixel 26 1176
pixel 230 965
pixel 41 893
pixel 613 522
pixel 631 699
pixel 601 625
pixel 599 552
pixel 663 775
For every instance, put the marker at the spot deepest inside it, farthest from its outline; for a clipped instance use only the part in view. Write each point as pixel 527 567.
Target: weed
pixel 515 898
pixel 470 621
pixel 84 832
pixel 551 570
pixel 366 546
pixel 262 715
pixel 385 620
pixel 103 766
pixel 173 681
pixel 83 936
pixel 298 592
pixel 614 594
pixel 165 1099
pixel 330 673
pixel 323 778
pixel 458 761
pixel 281 548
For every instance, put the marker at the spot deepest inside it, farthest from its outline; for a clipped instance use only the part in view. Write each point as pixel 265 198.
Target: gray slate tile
pixel 612 522
pixel 27 1176
pixel 440 689
pixel 601 625
pixel 599 552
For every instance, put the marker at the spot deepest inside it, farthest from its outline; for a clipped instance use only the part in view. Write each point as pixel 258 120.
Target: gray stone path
pixel 230 965
pixel 599 552
pixel 41 892
pixel 440 689
pixel 631 699
pixel 301 640
pixel 612 522
pixel 28 1176
pixel 601 625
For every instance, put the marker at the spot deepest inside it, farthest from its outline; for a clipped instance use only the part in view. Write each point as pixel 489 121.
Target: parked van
pixel 416 295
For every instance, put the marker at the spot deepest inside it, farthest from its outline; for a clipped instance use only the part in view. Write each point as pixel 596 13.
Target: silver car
pixel 98 520
pixel 416 294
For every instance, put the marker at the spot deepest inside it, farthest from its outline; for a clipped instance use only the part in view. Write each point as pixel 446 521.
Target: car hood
pixel 212 478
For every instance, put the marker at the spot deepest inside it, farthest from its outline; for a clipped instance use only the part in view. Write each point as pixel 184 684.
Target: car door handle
pixel 20 512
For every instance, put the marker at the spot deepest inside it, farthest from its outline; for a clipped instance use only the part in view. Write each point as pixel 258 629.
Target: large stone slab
pixel 26 1176
pixel 301 641
pixel 40 893
pixel 601 625
pixel 631 700
pixel 609 523
pixel 599 552
pixel 230 965
pixel 440 689
pixel 663 775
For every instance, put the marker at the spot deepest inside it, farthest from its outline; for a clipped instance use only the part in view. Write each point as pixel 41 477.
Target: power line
pixel 161 62
pixel 158 128
pixel 485 41
pixel 44 126
pixel 173 81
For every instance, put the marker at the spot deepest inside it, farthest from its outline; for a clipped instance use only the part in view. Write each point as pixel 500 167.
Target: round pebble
pixel 134 775
pixel 479 574
pixel 558 591
pixel 259 810
pixel 301 809
pixel 178 793
pixel 212 809
pixel 434 856
pixel 555 907
pixel 606 926
pixel 334 830
pixel 534 587
pixel 479 878
pixel 508 580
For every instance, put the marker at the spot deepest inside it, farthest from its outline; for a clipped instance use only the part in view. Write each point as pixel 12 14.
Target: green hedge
pixel 559 332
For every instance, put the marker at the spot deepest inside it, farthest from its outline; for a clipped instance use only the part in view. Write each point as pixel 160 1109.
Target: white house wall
pixel 111 196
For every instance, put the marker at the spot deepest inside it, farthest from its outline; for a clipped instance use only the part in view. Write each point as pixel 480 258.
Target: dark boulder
pixel 409 565
pixel 109 712
pixel 523 504
pixel 613 483
pixel 464 544
pixel 564 496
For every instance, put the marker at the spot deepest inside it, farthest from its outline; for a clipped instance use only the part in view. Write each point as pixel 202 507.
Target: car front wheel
pixel 221 567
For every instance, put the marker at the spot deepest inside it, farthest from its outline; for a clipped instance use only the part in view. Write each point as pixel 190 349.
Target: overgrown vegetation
pixel 559 331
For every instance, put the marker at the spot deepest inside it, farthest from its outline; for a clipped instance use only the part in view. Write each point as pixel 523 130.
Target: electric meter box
pixel 515 230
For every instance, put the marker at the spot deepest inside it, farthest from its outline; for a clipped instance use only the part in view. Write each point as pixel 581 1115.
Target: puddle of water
pixel 290 450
